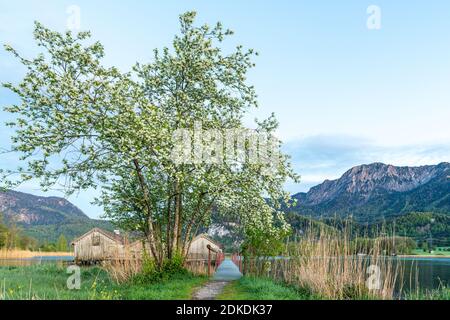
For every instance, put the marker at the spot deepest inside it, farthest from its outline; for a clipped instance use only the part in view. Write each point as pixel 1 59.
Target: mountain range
pixel 368 193
pixel 375 191
pixel 45 218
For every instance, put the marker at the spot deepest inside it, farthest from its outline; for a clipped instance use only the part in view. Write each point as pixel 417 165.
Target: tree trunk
pixel 176 223
pixel 188 238
pixel 168 227
pixel 180 222
pixel 151 232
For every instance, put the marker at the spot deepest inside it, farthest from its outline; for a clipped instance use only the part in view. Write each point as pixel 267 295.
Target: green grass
pixel 49 282
pixel 437 252
pixel 442 293
pixel 177 288
pixel 251 288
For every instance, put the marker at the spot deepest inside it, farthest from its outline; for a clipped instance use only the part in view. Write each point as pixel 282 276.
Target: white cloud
pixel 323 157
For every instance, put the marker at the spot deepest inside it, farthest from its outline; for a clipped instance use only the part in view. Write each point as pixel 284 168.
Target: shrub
pixel 151 273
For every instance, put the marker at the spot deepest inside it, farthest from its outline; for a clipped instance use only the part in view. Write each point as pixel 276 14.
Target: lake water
pixel 428 273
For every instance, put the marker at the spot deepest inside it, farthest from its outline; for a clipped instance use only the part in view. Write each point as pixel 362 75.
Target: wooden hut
pixel 97 245
pixel 199 247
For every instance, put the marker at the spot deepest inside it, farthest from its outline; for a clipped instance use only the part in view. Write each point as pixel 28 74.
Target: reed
pixel 23 254
pixel 197 266
pixel 124 265
pixel 325 263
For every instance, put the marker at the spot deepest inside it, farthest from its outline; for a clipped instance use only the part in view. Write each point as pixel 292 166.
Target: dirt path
pixel 226 272
pixel 210 290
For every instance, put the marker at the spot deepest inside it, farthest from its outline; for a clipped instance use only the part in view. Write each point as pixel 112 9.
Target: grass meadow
pixel 48 282
pixel 254 288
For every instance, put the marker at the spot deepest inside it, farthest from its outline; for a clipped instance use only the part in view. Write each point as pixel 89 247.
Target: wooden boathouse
pixel 98 245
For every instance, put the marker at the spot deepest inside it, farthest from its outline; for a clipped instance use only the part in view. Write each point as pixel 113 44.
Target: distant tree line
pixel 426 230
pixel 11 237
pixel 387 245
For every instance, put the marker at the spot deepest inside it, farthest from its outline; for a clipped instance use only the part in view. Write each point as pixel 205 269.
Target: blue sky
pixel 344 94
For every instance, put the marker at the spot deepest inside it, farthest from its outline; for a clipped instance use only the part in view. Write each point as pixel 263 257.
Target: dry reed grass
pixel 125 265
pixel 325 264
pixel 23 254
pixel 197 266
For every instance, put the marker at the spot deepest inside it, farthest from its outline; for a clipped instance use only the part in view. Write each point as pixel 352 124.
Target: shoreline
pixel 23 254
pixel 422 256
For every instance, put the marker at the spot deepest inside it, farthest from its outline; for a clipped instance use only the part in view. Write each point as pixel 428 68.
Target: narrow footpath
pixel 226 272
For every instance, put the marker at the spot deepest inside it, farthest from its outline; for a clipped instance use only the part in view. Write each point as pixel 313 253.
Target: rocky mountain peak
pixel 29 209
pixel 364 181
